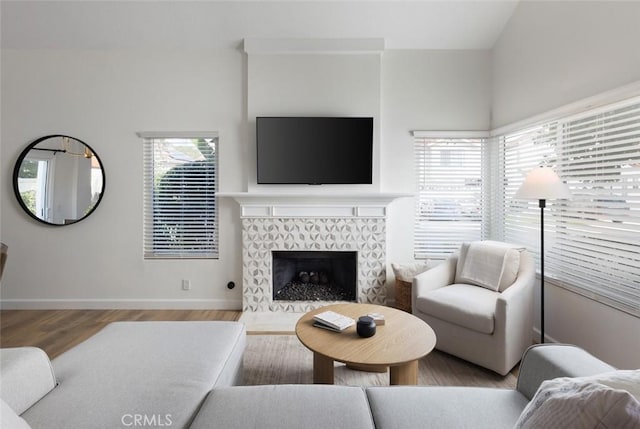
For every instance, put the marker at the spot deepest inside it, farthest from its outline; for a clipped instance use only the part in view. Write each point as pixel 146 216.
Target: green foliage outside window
pixel 28 169
pixel 29 199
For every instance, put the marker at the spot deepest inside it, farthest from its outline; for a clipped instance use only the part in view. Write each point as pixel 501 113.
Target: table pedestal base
pixel 322 369
pixel 405 374
pixel 367 368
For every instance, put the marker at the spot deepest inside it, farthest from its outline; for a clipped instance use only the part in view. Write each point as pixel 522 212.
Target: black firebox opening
pixel 314 275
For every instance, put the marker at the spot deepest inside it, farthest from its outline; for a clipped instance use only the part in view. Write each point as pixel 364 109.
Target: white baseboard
pixel 120 304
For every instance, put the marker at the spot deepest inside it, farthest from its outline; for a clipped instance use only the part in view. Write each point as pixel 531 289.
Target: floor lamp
pixel 542 184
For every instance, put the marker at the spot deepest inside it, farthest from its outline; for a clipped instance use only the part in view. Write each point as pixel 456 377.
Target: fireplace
pixel 263 236
pixel 314 275
pixel 346 222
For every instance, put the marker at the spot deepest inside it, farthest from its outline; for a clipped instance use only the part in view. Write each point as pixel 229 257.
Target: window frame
pixel 439 249
pixel 156 245
pixel 46 164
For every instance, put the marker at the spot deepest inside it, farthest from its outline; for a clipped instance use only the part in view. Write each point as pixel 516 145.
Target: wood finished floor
pixel 56 331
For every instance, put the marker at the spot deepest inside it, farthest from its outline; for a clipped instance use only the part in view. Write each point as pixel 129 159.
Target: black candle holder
pixel 366 327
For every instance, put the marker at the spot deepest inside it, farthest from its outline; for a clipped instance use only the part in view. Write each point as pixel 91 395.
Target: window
pixel 449 204
pixel 591 241
pixel 34 183
pixel 180 183
pixel 519 153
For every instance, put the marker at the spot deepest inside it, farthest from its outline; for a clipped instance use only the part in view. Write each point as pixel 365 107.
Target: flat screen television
pixel 314 150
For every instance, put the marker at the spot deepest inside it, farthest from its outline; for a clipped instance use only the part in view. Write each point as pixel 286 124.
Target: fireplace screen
pixel 315 275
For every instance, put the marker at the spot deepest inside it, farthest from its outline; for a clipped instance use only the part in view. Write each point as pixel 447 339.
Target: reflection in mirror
pixel 58 180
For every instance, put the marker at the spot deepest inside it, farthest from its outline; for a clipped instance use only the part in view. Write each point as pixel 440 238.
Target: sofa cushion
pixel 285 406
pixel 490 264
pixel 601 401
pixel 466 305
pixel 158 371
pixel 9 419
pixel 444 407
pixel 27 376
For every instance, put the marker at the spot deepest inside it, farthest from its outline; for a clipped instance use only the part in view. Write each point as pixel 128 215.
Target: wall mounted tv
pixel 314 150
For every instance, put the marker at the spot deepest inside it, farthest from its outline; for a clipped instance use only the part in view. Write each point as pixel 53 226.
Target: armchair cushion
pixel 466 305
pixel 489 264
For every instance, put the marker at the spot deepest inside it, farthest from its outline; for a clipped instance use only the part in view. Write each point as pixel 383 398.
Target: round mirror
pixel 58 180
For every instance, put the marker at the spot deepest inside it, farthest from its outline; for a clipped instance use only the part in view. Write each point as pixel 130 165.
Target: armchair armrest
pixel 518 298
pixel 439 276
pixel 542 362
pixel 514 314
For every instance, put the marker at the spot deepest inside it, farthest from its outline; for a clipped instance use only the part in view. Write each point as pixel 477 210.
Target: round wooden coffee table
pixel 398 344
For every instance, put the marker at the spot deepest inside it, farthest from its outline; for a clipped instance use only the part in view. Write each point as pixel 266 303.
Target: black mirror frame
pixel 16 172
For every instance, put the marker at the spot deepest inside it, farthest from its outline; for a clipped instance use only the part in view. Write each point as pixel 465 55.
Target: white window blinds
pixel 180 208
pixel 449 200
pixel 592 242
pixel 521 152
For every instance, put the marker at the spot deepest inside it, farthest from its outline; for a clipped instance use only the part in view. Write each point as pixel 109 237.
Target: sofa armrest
pixel 439 276
pixel 9 419
pixel 27 375
pixel 542 362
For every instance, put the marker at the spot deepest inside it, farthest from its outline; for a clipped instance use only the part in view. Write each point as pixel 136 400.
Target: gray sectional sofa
pixel 185 374
pixel 314 406
pixel 130 374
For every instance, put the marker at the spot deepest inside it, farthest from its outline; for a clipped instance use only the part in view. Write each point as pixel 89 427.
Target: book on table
pixel 332 321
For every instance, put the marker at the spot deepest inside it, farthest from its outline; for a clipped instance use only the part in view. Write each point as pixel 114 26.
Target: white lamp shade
pixel 543 184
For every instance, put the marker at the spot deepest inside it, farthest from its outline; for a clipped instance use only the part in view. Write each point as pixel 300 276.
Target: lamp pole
pixel 542 204
pixel 542 184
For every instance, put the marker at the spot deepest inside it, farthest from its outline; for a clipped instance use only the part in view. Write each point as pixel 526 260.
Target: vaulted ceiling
pixel 88 24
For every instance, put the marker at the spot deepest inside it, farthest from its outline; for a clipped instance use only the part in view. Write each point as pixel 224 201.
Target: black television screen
pixel 314 150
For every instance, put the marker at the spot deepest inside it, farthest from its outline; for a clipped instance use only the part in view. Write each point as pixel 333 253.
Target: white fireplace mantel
pixel 313 221
pixel 363 204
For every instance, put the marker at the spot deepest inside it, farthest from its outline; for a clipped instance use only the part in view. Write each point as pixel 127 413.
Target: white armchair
pixel 479 302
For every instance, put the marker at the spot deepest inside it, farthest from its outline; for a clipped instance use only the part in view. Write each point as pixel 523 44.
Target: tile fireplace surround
pixel 277 222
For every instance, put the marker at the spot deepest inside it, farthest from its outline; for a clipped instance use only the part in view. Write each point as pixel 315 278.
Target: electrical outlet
pixel 186 284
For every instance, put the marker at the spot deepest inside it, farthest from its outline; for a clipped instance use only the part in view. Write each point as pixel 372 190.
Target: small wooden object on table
pixel 397 345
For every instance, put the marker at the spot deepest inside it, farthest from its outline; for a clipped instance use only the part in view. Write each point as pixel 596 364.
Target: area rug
pixel 282 359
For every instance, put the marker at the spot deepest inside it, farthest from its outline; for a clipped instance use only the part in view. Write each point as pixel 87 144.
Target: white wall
pixel 554 53
pixel 549 55
pixel 319 84
pixel 424 90
pixel 402 90
pixel 104 98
